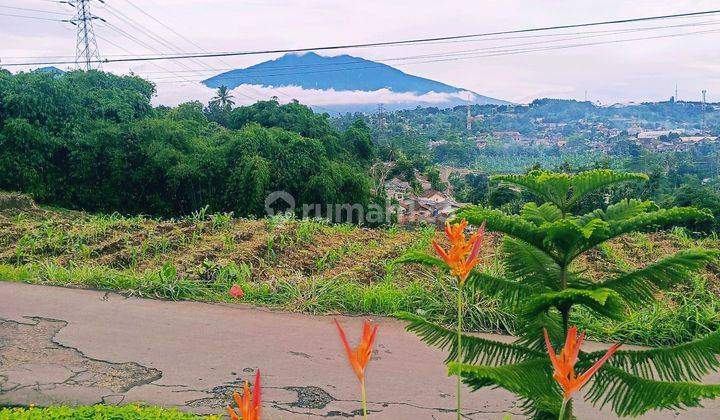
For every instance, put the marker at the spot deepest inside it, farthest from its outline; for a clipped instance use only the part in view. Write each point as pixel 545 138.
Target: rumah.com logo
pixel 282 202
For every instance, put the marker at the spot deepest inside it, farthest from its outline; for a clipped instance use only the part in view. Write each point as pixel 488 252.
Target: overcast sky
pixel 619 72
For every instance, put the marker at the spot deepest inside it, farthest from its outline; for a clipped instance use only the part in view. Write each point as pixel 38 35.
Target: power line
pixel 153 36
pixel 567 34
pixel 142 43
pixel 33 10
pixel 437 55
pixel 32 17
pixel 165 26
pixel 149 33
pixel 388 43
pixel 209 68
pixel 488 54
pixel 126 50
pixel 198 46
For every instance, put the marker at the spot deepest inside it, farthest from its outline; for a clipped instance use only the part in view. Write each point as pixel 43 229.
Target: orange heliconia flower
pixel 360 355
pixel 564 363
pixel 463 254
pixel 249 403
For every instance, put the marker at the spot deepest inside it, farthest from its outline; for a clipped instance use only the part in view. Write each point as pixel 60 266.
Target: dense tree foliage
pixel 442 134
pixel 93 141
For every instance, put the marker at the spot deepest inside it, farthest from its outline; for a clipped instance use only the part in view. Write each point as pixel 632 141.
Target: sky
pixel 627 70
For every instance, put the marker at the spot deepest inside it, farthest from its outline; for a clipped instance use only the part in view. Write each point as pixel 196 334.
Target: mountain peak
pixel 310 70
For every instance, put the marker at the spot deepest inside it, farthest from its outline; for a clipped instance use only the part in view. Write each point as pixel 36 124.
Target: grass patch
pixel 97 412
pixel 683 315
pixel 426 295
pixel 314 267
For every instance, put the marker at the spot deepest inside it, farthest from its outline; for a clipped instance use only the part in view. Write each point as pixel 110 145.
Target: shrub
pixel 96 412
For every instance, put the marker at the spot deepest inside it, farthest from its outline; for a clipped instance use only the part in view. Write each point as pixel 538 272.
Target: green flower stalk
pixel 461 258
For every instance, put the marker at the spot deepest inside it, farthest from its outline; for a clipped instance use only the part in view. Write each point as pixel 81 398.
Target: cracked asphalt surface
pixel 70 346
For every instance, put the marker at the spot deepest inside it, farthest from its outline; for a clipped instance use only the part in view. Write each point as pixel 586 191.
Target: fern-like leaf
pixel 604 301
pixel 511 291
pixel 531 330
pixel 568 235
pixel 646 222
pixel 549 186
pixel 639 287
pixel 475 349
pixel 418 257
pixel 631 395
pixel 529 264
pixel 623 210
pixel 685 362
pixel 586 182
pixel 497 221
pixel 531 380
pixel 545 213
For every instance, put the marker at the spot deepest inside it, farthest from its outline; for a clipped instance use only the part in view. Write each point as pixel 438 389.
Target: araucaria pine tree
pixel 543 287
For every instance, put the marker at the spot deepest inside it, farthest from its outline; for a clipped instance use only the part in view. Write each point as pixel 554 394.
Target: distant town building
pixel 645 136
pixel 437 143
pixel 514 135
pixel 430 206
pixel 397 189
pixel 698 139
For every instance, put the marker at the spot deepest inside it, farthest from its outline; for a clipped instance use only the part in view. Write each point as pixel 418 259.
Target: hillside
pixel 307 266
pixel 345 73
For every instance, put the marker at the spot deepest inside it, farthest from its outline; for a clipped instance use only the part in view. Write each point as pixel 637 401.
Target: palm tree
pixel 223 98
pixel 543 287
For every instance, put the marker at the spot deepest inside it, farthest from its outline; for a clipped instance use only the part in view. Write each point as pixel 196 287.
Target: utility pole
pixel 702 109
pixel 381 118
pixel 86 49
pixel 469 118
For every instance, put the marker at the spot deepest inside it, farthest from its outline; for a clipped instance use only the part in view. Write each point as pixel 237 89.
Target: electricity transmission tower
pixel 86 49
pixel 702 109
pixel 382 123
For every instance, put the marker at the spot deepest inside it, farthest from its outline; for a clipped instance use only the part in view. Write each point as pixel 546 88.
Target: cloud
pixel 173 94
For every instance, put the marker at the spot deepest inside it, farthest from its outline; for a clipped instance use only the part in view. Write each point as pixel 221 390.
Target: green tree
pixel 92 141
pixel 248 185
pixel 472 188
pixel 358 140
pixel 502 195
pixel 433 176
pixel 223 98
pixel 544 286
pixel 26 159
pixel 700 196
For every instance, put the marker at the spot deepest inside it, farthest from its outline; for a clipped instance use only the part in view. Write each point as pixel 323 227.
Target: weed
pixel 199 216
pixel 95 412
pixel 685 314
pixel 305 230
pixel 315 267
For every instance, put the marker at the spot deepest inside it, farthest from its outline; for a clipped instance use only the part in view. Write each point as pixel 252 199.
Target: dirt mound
pixel 267 250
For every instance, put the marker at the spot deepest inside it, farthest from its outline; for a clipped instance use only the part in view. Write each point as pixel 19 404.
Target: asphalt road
pixel 69 346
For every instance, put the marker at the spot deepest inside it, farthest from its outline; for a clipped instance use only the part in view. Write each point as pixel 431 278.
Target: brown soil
pixel 290 249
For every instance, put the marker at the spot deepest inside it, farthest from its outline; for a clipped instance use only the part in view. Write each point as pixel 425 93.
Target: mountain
pixel 348 73
pixel 52 70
